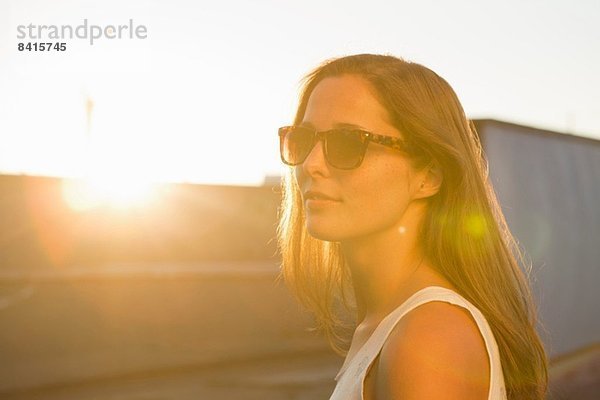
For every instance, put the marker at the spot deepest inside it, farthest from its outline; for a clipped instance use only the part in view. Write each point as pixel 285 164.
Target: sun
pixel 108 190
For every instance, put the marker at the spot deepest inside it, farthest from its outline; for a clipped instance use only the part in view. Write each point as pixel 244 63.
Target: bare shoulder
pixel 435 351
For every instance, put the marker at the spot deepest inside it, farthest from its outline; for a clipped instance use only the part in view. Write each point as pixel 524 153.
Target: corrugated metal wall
pixel 549 187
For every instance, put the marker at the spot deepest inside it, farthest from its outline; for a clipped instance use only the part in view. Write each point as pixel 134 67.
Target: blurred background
pixel 139 185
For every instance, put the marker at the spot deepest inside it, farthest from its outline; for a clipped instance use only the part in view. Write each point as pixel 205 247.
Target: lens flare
pixel 114 191
pixel 476 226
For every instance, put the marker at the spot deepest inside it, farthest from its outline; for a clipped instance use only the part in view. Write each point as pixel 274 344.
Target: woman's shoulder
pixel 435 351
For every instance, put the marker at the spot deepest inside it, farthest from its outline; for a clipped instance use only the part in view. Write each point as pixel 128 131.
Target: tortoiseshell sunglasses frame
pixel 365 136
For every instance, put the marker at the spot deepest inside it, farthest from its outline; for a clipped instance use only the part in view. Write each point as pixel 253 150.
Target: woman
pixel 388 210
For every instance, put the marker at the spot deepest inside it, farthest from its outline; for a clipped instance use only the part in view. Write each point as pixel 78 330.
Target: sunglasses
pixel 344 148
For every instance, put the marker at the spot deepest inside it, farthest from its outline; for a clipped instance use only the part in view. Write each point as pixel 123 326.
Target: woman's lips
pixel 318 195
pixel 319 203
pixel 317 200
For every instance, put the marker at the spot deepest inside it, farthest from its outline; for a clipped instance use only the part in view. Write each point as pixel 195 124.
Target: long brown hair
pixel 464 233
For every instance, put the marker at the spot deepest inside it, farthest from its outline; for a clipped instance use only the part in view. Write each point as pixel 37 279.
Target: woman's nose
pixel 315 162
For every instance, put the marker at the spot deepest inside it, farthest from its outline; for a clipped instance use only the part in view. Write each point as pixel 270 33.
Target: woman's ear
pixel 431 181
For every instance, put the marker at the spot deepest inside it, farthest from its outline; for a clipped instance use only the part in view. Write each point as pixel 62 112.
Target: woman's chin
pixel 318 231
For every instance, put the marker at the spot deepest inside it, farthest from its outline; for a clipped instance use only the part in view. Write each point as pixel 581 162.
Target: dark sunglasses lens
pixel 345 148
pixel 296 144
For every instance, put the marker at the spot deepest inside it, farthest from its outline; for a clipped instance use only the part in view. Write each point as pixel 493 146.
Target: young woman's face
pixel 369 199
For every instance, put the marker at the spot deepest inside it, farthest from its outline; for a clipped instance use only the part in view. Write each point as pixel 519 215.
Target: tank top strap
pixel 359 364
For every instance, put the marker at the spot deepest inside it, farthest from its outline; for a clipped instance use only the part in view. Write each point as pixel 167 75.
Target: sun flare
pixel 120 192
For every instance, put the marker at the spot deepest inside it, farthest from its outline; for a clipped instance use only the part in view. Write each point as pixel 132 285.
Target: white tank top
pixel 350 379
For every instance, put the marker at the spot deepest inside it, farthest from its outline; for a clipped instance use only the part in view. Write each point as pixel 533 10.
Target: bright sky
pixel 201 98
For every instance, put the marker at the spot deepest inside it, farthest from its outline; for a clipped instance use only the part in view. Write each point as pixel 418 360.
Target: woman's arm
pixel 435 352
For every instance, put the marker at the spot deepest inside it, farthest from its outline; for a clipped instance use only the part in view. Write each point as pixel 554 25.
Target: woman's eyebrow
pixel 348 125
pixel 308 124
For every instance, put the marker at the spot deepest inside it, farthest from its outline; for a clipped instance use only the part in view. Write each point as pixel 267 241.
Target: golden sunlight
pixel 107 190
